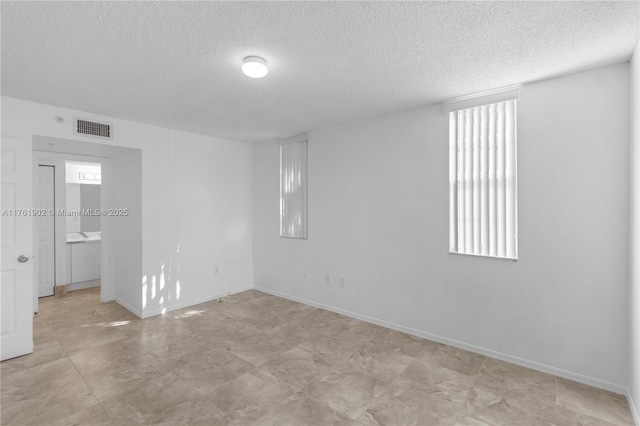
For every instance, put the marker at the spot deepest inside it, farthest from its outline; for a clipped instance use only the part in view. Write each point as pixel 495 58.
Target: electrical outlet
pixel 305 274
pixel 342 281
pixel 327 278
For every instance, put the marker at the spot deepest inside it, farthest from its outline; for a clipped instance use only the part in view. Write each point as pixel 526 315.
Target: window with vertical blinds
pixel 293 188
pixel 483 197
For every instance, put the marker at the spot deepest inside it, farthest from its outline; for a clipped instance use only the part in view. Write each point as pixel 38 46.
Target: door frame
pixel 107 272
pixel 36 229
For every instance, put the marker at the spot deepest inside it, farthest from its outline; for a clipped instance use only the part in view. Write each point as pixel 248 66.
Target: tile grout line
pixel 464 403
pixel 86 384
pixel 346 357
pixel 362 372
pixel 81 376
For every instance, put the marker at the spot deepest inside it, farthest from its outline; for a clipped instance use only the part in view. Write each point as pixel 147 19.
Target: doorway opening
pixel 79 246
pixel 83 228
pixel 71 190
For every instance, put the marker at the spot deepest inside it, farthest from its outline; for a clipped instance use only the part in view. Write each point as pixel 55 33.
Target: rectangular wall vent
pixel 82 126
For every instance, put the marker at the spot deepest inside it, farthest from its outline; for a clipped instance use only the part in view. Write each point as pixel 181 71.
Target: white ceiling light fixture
pixel 254 67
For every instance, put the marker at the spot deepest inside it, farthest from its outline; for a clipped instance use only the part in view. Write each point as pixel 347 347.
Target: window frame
pixel 469 157
pixel 301 163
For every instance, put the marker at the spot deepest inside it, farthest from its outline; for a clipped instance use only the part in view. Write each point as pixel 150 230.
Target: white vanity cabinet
pixel 83 258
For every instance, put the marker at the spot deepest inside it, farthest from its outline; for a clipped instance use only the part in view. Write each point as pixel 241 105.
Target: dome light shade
pixel 254 67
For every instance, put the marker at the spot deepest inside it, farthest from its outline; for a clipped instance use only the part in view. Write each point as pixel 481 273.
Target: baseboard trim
pixel 632 406
pixel 186 304
pixel 83 284
pixel 591 381
pixel 128 307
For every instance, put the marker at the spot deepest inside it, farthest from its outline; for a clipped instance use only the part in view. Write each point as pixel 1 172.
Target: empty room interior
pixel 320 213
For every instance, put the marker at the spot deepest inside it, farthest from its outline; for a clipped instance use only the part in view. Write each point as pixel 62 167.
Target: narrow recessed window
pixel 293 188
pixel 483 198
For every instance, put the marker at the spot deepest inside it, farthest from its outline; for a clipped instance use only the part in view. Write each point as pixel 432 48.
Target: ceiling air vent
pixel 82 126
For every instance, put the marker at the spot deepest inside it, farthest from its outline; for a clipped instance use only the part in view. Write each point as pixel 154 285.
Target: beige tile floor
pixel 270 361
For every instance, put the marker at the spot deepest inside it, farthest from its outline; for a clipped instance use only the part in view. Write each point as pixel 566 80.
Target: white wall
pixel 378 214
pixel 196 195
pixel 127 234
pixel 634 289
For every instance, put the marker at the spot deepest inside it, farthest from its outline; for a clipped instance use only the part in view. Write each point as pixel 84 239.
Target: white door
pixel 16 284
pixel 46 232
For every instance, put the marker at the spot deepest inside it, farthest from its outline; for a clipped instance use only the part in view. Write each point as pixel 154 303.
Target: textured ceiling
pixel 177 64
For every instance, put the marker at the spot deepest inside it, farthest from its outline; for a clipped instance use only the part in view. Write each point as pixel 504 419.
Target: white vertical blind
pixel 483 180
pixel 293 189
pixel 460 177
